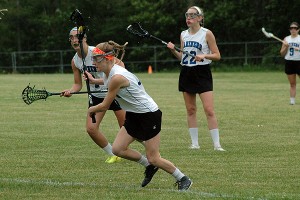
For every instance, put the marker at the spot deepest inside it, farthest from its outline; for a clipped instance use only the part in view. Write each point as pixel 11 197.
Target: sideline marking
pixel 128 187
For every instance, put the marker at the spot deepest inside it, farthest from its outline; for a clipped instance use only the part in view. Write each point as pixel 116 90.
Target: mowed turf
pixel 45 152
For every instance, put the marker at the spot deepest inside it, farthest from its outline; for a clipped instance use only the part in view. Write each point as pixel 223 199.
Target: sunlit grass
pixel 46 154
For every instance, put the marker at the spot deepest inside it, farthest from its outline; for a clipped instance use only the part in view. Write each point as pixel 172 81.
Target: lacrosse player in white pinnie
pixel 290 50
pixel 143 119
pixel 77 68
pixel 195 76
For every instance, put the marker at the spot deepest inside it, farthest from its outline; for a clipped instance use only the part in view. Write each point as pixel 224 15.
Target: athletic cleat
pixel 194 146
pixel 113 159
pixel 184 183
pixel 149 173
pixel 219 149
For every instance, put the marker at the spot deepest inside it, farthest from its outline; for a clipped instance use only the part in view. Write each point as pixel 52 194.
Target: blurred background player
pixel 290 50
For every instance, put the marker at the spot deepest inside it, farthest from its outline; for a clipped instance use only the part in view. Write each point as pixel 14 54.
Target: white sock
pixel 215 137
pixel 177 174
pixel 292 100
pixel 108 149
pixel 194 136
pixel 143 161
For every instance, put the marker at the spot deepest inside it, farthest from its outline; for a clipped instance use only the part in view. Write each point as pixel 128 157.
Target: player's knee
pixel 153 160
pixel 209 112
pixel 91 131
pixel 191 110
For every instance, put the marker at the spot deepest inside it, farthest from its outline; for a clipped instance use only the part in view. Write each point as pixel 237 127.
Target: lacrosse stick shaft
pixel 137 29
pixel 276 38
pixel 81 92
pixel 87 81
pixel 77 18
pixel 178 49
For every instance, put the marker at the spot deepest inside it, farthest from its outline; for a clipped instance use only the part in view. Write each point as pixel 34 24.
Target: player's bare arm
pixel 284 48
pixel 116 83
pixel 211 41
pixel 77 85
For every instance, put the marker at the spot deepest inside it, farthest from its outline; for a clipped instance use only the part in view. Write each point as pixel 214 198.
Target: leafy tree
pixel 33 25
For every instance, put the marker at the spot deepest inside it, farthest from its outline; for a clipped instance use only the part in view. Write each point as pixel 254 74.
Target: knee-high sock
pixel 108 149
pixel 194 136
pixel 143 161
pixel 177 174
pixel 215 137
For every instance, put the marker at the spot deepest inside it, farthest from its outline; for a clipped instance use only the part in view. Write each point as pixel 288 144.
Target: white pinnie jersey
pixel 194 44
pixel 133 98
pixel 291 53
pixel 91 69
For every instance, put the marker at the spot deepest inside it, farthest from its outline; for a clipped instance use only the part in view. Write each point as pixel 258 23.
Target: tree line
pixel 33 25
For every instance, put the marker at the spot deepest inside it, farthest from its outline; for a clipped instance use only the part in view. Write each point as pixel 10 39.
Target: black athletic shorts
pixel 115 106
pixel 292 67
pixel 143 126
pixel 195 80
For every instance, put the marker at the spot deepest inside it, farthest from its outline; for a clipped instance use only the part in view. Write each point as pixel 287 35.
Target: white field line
pixel 49 182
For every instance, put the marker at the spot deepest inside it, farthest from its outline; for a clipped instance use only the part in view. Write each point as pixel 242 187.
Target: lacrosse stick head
pixel 1 11
pixel 268 35
pixel 78 20
pixel 30 94
pixel 136 29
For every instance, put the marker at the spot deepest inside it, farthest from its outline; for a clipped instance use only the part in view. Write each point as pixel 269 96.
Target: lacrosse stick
pixel 30 94
pixel 1 11
pixel 77 18
pixel 136 29
pixel 270 35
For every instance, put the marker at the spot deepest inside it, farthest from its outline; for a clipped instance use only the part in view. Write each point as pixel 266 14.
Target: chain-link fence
pixel 138 59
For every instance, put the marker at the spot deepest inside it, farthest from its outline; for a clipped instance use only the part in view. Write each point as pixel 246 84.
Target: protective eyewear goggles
pixel 191 15
pixel 99 55
pixel 98 59
pixel 293 27
pixel 73 37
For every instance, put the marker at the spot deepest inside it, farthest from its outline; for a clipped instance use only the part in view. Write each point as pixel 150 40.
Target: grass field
pixel 46 154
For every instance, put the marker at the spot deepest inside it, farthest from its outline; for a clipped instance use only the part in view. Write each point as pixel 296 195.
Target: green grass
pixel 46 154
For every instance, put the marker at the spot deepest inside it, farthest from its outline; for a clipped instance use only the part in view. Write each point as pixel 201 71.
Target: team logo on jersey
pixel 89 69
pixel 293 44
pixel 194 44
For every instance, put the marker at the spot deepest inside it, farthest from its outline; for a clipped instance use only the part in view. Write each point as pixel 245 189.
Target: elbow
pixel 217 57
pixel 104 107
